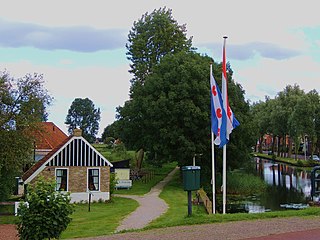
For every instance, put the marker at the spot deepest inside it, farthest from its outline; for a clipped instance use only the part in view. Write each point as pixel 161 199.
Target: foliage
pixel 113 182
pixel 46 213
pixel 23 103
pixel 111 131
pixel 152 37
pixel 83 114
pixel 174 113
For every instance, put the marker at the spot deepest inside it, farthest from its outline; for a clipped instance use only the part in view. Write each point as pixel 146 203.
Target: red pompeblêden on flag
pixel 232 122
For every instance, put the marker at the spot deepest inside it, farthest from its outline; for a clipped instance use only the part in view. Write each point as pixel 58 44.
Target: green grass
pixel 8 219
pixel 113 156
pixel 103 218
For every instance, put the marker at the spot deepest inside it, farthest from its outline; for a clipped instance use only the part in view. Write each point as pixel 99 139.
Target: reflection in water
pixel 286 185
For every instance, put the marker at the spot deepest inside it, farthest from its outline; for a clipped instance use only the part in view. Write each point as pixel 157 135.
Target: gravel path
pixel 151 206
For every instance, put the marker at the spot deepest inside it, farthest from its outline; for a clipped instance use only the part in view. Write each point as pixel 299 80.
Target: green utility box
pixel 191 178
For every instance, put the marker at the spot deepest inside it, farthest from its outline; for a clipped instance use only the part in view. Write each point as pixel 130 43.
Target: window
pixel 93 179
pixel 62 179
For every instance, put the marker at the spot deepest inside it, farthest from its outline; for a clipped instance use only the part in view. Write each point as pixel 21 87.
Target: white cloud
pixel 270 76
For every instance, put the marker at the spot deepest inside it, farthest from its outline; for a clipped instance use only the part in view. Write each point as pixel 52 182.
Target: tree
pixel 174 114
pixel 46 214
pixel 151 38
pixel 83 114
pixel 23 103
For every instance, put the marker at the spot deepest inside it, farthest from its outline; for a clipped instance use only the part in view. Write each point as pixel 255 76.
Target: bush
pixel 46 212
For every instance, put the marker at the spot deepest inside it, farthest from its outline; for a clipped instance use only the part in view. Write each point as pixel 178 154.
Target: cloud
pixel 249 50
pixel 268 77
pixel 75 38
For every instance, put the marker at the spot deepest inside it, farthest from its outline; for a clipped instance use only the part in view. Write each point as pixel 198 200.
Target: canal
pixel 288 187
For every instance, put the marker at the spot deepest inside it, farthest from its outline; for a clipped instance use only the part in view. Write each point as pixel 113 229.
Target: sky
pixel 79 46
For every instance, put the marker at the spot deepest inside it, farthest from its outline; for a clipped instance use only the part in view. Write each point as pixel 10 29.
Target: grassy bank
pixel 291 161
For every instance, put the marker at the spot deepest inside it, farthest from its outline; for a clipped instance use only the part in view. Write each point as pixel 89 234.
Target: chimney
pixel 77 132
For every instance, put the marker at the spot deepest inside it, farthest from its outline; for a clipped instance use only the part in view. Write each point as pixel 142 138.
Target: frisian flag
pixel 218 114
pixel 232 122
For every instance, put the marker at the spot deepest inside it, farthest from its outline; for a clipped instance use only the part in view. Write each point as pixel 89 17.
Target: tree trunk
pixel 260 143
pixel 279 144
pixel 290 147
pixel 274 144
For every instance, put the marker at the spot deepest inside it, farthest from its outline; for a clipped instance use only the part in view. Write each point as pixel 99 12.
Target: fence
pixel 206 201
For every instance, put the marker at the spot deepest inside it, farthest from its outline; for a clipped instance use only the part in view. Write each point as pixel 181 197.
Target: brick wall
pixel 78 177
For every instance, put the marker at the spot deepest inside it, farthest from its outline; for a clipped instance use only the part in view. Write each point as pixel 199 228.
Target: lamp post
pixel 194 158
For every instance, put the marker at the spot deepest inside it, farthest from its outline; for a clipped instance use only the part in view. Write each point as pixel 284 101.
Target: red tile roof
pixel 48 136
pixel 38 164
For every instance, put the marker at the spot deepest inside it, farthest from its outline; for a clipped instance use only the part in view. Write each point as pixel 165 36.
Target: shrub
pixel 46 212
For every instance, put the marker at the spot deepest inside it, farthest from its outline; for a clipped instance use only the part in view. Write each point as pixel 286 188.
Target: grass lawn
pixel 103 218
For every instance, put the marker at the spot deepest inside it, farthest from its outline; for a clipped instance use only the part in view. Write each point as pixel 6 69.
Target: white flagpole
pixel 213 176
pixel 224 163
pixel 224 180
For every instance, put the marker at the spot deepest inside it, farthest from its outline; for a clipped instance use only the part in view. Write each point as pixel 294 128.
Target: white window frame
pixel 55 174
pixel 94 168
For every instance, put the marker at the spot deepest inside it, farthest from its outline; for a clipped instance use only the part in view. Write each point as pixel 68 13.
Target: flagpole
pixel 213 176
pixel 224 163
pixel 213 164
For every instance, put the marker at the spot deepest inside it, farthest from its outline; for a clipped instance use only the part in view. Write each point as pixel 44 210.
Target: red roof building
pixel 47 137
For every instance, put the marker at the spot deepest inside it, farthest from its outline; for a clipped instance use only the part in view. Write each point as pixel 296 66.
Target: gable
pixel 75 151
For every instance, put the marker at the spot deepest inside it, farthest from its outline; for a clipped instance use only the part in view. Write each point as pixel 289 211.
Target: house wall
pixel 77 181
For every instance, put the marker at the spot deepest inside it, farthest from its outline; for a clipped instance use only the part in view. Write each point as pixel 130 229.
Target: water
pixel 288 186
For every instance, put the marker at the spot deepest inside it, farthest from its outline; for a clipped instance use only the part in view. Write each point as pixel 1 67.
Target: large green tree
pixel 175 112
pixel 168 113
pixel 23 103
pixel 83 114
pixel 151 38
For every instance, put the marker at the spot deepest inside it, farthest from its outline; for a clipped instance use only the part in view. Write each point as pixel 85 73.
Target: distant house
pixel 47 137
pixel 77 167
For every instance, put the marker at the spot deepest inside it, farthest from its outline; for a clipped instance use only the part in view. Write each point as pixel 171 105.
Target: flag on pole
pixel 218 114
pixel 232 122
